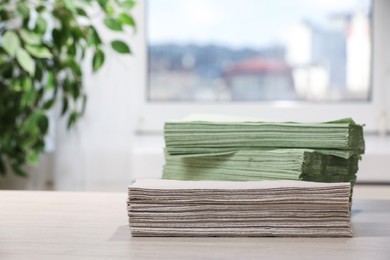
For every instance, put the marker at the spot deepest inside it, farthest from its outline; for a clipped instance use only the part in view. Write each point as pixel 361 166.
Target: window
pixel 275 60
pixel 218 50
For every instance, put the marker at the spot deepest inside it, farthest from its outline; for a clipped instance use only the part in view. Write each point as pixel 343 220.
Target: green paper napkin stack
pixel 219 148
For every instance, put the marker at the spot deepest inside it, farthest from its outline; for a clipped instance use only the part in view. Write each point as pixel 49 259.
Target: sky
pixel 237 23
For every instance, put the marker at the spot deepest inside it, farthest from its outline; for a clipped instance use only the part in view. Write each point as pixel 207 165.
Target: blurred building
pixel 318 57
pixel 358 53
pixel 332 60
pixel 258 78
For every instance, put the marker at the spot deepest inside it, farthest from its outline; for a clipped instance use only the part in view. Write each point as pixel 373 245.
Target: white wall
pixel 96 155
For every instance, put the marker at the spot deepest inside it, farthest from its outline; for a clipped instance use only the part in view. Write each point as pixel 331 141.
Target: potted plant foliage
pixel 42 46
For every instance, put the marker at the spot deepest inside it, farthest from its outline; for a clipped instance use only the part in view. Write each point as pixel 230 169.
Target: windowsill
pixel 374 165
pixel 148 158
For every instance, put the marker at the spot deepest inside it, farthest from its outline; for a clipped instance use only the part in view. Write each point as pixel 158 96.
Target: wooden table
pixel 61 225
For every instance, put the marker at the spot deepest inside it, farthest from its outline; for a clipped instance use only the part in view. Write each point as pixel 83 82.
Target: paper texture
pixel 159 207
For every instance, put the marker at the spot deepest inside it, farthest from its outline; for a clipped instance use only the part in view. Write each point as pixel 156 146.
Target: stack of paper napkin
pixel 199 134
pixel 215 148
pixel 223 208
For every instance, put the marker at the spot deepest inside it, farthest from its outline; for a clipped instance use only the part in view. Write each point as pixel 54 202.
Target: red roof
pixel 257 65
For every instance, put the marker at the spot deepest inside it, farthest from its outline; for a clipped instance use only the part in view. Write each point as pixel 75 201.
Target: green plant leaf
pixel 73 65
pixel 49 104
pixel 40 93
pixel 120 46
pixel 67 86
pixel 41 24
pixel 39 52
pixel 29 139
pixel 69 4
pixel 11 43
pixel 72 119
pixel 65 105
pixel 77 34
pixel 59 37
pixel 72 49
pixel 113 24
pixel 81 12
pixel 38 70
pixel 29 129
pixel 109 9
pixel 40 8
pixel 43 123
pixel 126 19
pixel 98 60
pixel 103 3
pixel 127 4
pixel 93 37
pixel 25 61
pixel 50 82
pixel 27 98
pixel 39 145
pixel 30 37
pixel 27 84
pixel 75 89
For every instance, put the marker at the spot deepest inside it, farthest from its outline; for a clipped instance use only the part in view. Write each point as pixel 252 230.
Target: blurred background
pixel 296 60
pixel 258 50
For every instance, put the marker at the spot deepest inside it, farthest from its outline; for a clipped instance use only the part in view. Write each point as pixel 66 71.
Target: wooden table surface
pixel 69 225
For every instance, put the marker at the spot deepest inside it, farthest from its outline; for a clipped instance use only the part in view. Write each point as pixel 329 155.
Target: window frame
pixel 374 113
